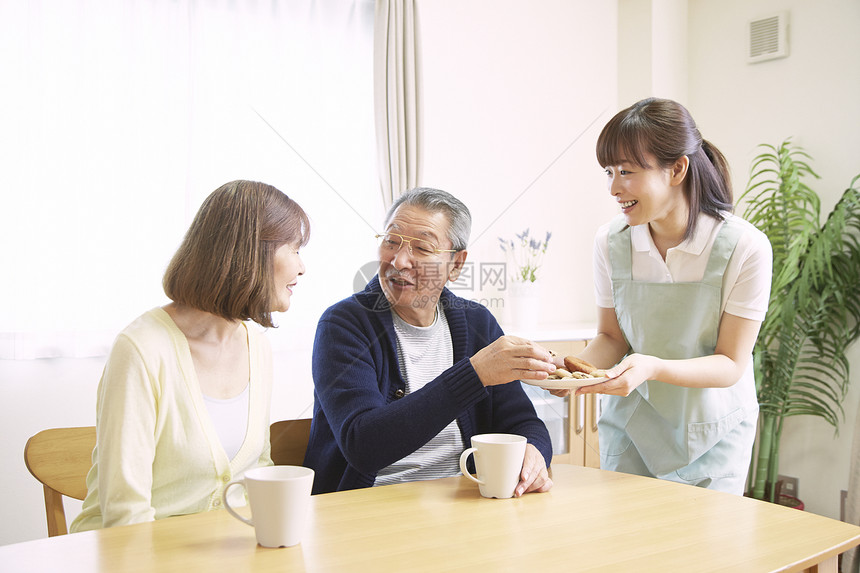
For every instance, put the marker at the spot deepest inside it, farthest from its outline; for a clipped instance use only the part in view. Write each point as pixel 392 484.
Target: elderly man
pixel 405 372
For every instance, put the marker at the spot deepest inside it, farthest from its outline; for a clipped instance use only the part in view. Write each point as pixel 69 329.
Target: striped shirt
pixel 423 353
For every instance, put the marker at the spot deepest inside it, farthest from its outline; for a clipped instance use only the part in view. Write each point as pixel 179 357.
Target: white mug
pixel 498 460
pixel 279 497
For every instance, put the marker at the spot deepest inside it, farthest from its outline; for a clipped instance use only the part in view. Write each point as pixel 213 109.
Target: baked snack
pixel 577 368
pixel 574 364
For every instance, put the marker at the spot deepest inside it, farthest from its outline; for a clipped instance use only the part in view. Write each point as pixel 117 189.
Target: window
pixel 120 117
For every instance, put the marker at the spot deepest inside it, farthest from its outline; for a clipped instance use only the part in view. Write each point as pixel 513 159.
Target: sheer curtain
pixel 119 117
pixel 396 97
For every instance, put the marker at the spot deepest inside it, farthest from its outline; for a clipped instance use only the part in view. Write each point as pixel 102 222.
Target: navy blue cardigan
pixel 362 421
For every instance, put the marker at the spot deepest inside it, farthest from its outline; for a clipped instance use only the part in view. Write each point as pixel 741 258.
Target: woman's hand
pixel 534 476
pixel 606 349
pixel 625 376
pixel 510 358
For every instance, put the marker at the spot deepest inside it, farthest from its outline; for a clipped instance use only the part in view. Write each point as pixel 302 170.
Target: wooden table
pixel 591 520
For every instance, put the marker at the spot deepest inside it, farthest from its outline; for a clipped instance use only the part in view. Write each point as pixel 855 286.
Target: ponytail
pixel 718 160
pixel 709 185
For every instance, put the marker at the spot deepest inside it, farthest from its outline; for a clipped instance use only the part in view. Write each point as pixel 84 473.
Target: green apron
pixel 698 436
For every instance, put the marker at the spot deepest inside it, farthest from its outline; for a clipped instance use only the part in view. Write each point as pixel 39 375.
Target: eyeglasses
pixel 390 243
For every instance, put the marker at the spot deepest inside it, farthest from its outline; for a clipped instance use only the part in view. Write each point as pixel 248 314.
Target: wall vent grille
pixel 768 38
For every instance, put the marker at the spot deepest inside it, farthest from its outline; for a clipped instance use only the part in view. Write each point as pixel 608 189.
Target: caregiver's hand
pixel 625 376
pixel 534 476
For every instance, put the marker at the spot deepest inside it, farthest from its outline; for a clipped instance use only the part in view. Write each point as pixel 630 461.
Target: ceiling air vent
pixel 768 38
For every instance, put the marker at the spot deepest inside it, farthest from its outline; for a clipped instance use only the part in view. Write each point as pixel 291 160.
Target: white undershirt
pixel 423 353
pixel 746 283
pixel 230 417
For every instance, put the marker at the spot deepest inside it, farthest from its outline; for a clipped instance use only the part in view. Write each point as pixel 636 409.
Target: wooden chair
pixel 290 441
pixel 60 459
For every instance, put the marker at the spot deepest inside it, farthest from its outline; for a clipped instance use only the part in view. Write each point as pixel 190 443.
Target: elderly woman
pixel 405 372
pixel 183 403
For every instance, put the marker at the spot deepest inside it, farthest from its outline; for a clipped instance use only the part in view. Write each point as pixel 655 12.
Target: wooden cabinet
pixel 582 412
pixel 582 434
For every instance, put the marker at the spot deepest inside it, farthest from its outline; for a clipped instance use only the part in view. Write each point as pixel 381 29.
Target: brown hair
pixel 665 129
pixel 225 264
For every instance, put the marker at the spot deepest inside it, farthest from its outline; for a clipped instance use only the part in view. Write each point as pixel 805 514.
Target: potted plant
pixel 814 310
pixel 524 254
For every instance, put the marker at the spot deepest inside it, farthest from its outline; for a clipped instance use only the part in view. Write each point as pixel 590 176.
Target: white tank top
pixel 230 417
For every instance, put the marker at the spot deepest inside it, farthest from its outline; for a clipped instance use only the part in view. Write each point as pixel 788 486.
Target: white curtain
pixel 396 97
pixel 120 116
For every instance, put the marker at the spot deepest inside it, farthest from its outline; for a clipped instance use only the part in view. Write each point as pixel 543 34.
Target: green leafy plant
pixel 814 310
pixel 526 254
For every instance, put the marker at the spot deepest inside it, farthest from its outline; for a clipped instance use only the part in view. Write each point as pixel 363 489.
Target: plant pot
pixel 523 300
pixel 790 501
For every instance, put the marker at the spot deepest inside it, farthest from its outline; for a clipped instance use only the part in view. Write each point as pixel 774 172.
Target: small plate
pixel 565 383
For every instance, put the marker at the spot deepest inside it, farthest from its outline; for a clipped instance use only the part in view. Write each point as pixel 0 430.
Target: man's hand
pixel 509 358
pixel 534 476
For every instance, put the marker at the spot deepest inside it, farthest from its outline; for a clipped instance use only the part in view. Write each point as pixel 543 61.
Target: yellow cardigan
pixel 157 452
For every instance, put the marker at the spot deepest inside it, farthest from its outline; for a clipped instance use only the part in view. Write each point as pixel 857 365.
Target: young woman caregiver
pixel 682 286
pixel 183 403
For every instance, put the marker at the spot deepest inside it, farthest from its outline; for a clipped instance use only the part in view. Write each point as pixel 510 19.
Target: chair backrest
pixel 60 459
pixel 290 441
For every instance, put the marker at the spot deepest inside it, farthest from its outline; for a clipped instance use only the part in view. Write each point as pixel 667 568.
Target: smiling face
pixel 651 195
pixel 288 267
pixel 412 286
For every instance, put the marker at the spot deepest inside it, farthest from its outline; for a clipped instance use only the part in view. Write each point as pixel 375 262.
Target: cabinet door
pixel 584 448
pixel 591 457
pixel 579 432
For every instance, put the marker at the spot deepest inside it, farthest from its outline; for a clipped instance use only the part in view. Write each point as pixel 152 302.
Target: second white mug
pixel 279 497
pixel 498 461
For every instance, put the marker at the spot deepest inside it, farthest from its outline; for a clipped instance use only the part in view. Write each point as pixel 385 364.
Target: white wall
pixel 652 50
pixel 812 96
pixel 515 94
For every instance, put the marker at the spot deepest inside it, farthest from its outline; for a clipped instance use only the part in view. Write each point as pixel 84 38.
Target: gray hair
pixel 435 201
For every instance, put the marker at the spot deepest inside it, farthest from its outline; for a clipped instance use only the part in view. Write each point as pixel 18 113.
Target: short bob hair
pixel 435 201
pixel 225 264
pixel 665 129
